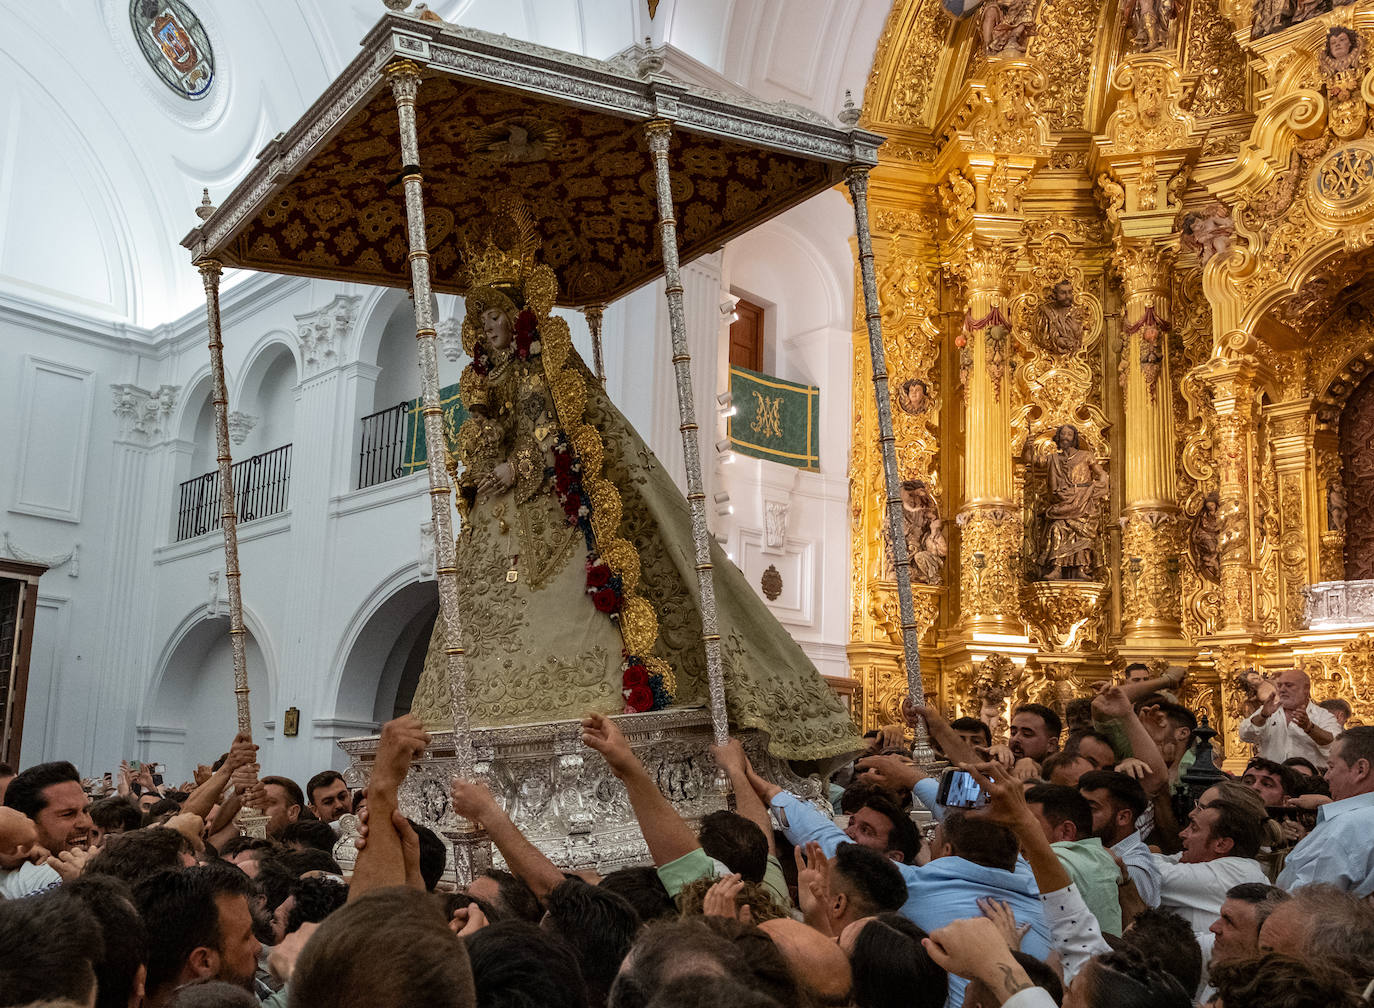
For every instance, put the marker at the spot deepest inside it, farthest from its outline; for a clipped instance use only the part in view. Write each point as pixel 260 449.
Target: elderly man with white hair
pixel 1288 723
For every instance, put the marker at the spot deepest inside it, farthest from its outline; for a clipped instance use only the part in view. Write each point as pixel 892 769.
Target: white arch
pixel 188 624
pixel 263 354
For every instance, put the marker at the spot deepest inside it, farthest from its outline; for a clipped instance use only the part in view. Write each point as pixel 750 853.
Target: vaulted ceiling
pixel 101 164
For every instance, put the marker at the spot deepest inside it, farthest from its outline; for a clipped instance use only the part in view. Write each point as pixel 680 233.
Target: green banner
pixel 775 419
pixel 416 453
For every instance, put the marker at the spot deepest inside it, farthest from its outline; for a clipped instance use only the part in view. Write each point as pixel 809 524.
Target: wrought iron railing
pixel 262 486
pixel 382 450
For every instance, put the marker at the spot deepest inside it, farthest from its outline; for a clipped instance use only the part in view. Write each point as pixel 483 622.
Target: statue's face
pixel 1063 294
pixel 496 328
pixel 1338 44
pixel 1065 437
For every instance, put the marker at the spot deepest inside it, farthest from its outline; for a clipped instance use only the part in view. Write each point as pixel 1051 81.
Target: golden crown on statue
pixel 501 252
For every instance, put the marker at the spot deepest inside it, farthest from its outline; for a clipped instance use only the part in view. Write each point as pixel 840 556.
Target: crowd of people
pixel 1083 865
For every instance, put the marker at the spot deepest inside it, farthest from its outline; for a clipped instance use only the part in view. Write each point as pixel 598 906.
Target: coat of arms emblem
pixel 175 44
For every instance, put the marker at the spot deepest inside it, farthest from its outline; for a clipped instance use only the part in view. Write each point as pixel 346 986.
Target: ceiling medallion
pixel 175 44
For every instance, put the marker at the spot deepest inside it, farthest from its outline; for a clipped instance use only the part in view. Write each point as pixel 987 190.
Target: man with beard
pixel 1033 735
pixel 1118 801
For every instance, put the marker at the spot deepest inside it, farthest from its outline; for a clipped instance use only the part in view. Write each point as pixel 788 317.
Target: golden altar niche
pixel 1201 180
pixel 625 170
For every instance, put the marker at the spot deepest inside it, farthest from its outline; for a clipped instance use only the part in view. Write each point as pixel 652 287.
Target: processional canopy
pixel 498 119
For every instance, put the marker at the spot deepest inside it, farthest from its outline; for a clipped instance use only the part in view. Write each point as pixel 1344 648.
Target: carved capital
pixel 321 332
pixel 1007 119
pixel 450 335
pixel 1149 115
pixel 984 265
pixel 143 415
pixel 240 426
pixel 1144 269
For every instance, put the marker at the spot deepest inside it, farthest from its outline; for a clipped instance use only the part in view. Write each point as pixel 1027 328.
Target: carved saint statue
pixel 1076 485
pixel 1270 16
pixel 1204 540
pixel 1149 22
pixel 924 532
pixel 1059 322
pixel 1208 232
pixel 1007 26
pixel 1335 508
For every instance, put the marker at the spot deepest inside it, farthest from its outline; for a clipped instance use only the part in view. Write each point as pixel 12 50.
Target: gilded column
pixel 1150 588
pixel 990 541
pixel 1291 427
pixel 1234 387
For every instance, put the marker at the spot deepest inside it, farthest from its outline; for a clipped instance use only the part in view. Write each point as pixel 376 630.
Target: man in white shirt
pixel 1289 724
pixel 1339 851
pixel 1118 802
pixel 1219 847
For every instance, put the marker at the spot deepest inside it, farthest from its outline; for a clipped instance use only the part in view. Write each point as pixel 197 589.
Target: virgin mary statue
pixel 576 568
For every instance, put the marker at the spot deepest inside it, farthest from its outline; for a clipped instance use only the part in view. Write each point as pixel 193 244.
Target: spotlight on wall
pixel 723 445
pixel 722 497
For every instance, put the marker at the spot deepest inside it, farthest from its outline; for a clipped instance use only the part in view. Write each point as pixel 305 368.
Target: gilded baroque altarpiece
pixel 1125 252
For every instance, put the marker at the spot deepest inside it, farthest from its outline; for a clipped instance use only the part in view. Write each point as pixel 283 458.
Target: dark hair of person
pixel 1041 974
pixel 892 969
pixel 644 890
pixel 980 841
pixel 25 792
pixel 1355 744
pixel 309 833
pixel 873 882
pixel 298 862
pixel 274 881
pixel 125 939
pixel 1240 825
pixel 1287 775
pixel 755 895
pixel 1136 665
pixel 1293 762
pixel 160 810
pixel 1074 742
pixel 1272 980
pixel 902 836
pixel 1168 938
pixel 131 857
pixel 1078 714
pixel 389 948
pixel 1264 898
pixel 179 909
pixel 455 901
pixel 514 964
pixel 292 789
pixel 321 780
pixel 599 925
pixel 116 814
pixel 212 994
pixel 49 947
pixel 861 792
pixel 515 899
pixel 8 771
pixel 260 847
pixel 970 724
pixel 1335 704
pixel 433 854
pixel 1177 715
pixel 1122 789
pixel 697 947
pixel 1127 978
pixel 735 842
pixel 1053 724
pixel 316 899
pixel 1063 804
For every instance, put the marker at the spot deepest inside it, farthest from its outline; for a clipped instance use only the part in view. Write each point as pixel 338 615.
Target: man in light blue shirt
pixel 971 859
pixel 1339 851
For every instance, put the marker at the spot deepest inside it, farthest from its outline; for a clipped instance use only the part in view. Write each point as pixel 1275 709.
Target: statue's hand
pixel 501 479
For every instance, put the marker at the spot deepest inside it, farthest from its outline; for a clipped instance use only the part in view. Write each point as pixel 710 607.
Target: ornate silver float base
pixel 561 794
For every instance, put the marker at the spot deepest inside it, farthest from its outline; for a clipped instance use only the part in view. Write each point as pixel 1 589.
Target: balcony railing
pixel 382 450
pixel 262 487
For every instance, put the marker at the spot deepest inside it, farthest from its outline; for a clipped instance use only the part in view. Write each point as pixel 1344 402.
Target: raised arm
pixel 382 862
pixel 732 759
pixel 956 750
pixel 667 833
pixel 474 801
pixel 1113 704
pixel 1170 680
pixel 200 801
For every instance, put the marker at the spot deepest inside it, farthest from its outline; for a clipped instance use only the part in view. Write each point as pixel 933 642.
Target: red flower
pixel 562 462
pixel 638 699
pixel 636 677
pixel 598 576
pixel 525 323
pixel 562 482
pixel 606 600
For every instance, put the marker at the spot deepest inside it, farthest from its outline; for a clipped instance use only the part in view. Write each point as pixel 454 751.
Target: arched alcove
pixel 267 392
pixel 190 712
pixel 386 651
